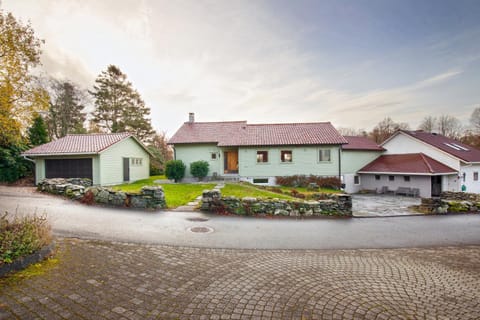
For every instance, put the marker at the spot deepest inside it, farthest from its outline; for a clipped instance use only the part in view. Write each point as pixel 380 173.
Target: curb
pixel 23 262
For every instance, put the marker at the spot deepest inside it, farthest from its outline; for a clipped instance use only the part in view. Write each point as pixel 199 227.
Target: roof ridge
pixel 430 169
pixel 281 124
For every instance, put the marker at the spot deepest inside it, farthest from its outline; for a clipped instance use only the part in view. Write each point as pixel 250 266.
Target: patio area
pixel 373 205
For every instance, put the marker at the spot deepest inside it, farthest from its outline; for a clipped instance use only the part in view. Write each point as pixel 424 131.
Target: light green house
pixel 257 153
pixel 107 159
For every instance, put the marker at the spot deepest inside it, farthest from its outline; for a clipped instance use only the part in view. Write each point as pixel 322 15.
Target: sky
pixel 352 63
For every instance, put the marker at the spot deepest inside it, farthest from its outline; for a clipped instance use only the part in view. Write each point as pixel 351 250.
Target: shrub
pixel 12 165
pixel 304 181
pixel 20 236
pixel 199 169
pixel 175 169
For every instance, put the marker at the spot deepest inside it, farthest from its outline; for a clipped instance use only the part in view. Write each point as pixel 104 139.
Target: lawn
pixel 246 190
pixel 306 191
pixel 176 194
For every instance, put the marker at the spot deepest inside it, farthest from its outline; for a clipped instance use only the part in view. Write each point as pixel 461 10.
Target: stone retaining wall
pixel 150 197
pixel 451 202
pixel 335 205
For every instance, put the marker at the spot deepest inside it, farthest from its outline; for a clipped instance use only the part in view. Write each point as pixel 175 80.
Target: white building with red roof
pixel 107 159
pixel 426 161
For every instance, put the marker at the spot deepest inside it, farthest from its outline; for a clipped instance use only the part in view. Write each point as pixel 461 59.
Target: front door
pixel 436 186
pixel 126 169
pixel 231 161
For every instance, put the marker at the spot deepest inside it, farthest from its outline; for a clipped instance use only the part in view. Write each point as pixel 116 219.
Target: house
pixel 358 152
pixel 257 153
pixel 424 160
pixel 107 159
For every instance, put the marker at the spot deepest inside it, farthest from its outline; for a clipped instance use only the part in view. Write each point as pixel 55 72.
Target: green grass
pixel 245 190
pixel 176 194
pixel 180 194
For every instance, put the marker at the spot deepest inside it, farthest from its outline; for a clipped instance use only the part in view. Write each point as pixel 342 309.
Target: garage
pixel 68 168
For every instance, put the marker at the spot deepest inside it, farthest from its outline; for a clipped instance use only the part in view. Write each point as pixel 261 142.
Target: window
pixel 356 180
pixel 475 176
pixel 213 156
pixel 324 155
pixel 377 177
pixel 464 176
pixel 391 178
pixel 260 180
pixel 286 155
pixel 406 178
pixel 262 156
pixel 136 161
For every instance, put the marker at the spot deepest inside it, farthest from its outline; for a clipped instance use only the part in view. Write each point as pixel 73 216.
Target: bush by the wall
pixel 199 169
pixel 175 169
pixel 21 236
pixel 304 181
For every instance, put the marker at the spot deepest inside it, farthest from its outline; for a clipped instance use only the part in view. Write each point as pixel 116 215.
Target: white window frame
pixel 262 162
pixel 291 156
pixel 320 154
pixel 359 182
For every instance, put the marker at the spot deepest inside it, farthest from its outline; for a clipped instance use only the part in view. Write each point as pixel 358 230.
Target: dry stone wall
pixel 451 202
pixel 150 197
pixel 335 205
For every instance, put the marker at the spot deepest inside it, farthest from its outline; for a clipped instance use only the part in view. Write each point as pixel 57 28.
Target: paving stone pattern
pixel 103 280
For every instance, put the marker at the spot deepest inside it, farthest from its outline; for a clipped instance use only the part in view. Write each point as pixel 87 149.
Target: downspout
pixel 340 163
pixel 174 153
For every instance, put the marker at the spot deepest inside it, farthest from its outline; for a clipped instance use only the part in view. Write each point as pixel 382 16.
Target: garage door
pixel 68 168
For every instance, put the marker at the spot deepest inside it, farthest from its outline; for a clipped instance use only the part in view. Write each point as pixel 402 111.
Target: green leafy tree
pixel 175 169
pixel 66 114
pixel 12 165
pixel 37 133
pixel 20 96
pixel 199 169
pixel 118 106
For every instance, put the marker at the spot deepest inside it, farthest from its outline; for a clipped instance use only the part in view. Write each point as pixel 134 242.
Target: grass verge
pixel 245 190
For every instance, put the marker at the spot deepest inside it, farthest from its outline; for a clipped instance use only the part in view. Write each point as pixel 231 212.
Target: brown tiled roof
pixel 451 146
pixel 411 163
pixel 242 134
pixel 361 143
pixel 78 144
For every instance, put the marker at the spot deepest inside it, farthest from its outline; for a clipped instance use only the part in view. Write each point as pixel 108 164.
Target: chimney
pixel 191 117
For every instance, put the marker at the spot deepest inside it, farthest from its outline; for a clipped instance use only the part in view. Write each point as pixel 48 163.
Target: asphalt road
pixel 70 219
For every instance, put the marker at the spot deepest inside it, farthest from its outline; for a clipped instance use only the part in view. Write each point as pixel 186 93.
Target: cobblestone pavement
pixel 104 280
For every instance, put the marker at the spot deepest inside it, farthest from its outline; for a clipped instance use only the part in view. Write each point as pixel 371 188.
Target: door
pixel 436 186
pixel 68 168
pixel 231 161
pixel 126 169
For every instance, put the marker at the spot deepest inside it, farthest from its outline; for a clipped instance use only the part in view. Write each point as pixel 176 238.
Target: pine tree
pixel 118 106
pixel 37 133
pixel 66 113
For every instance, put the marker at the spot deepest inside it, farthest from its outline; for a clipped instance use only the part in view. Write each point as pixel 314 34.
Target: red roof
pixel 361 143
pixel 78 144
pixel 242 134
pixel 411 163
pixel 453 147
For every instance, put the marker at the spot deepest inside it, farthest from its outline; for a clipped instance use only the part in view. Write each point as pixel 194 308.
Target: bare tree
pixel 386 128
pixel 475 119
pixel 352 132
pixel 428 124
pixel 449 126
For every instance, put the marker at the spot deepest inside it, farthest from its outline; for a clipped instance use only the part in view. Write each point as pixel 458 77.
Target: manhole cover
pixel 200 229
pixel 197 219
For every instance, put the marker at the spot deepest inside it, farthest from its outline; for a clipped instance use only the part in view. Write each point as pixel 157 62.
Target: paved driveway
pixel 370 205
pixel 104 280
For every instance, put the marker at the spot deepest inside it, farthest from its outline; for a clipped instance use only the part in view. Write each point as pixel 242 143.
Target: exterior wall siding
pixel 402 144
pixel 111 162
pixel 423 183
pixel 195 152
pixel 472 185
pixel 352 161
pixel 305 160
